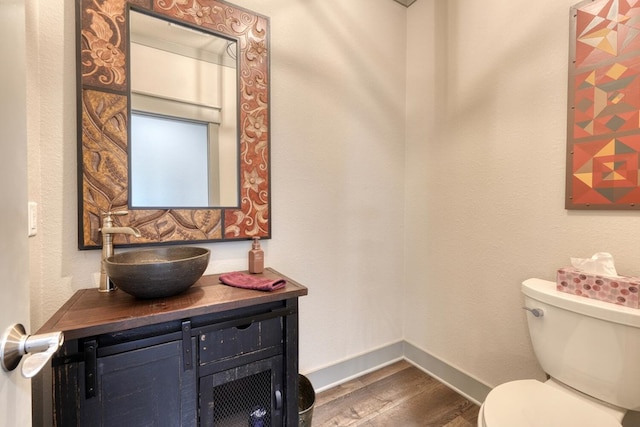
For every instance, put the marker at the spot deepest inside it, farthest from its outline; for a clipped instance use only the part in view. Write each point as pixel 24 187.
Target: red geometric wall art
pixel 603 141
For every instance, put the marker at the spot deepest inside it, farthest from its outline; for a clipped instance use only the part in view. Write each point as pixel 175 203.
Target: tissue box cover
pixel 617 290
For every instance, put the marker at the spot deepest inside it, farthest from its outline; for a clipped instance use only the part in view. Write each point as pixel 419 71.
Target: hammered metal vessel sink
pixel 157 273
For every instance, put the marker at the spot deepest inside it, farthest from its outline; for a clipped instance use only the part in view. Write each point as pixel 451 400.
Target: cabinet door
pixel 248 395
pixel 144 387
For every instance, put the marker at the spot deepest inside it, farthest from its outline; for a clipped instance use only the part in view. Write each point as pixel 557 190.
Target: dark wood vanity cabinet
pixel 144 386
pixel 213 356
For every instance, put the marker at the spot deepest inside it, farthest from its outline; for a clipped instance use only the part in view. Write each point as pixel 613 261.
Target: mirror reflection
pixel 184 134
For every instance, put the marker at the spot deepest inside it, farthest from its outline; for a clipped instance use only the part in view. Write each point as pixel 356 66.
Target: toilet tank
pixel 590 345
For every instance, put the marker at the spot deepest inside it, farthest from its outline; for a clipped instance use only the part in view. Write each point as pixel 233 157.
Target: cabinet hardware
pixel 187 355
pixel 90 368
pixel 278 400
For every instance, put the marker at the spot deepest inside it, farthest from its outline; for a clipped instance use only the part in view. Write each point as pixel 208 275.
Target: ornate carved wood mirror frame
pixel 103 124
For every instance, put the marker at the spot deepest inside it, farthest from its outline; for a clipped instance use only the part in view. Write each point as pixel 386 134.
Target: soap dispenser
pixel 256 257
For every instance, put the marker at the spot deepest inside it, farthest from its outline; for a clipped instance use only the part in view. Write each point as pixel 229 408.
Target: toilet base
pixel 550 404
pixel 481 416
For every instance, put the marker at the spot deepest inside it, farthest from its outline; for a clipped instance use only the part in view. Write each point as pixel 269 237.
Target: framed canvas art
pixel 603 129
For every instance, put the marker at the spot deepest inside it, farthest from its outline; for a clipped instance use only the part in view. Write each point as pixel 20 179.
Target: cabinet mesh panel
pixel 234 401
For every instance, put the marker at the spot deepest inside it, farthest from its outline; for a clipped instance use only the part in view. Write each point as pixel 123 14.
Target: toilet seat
pixel 530 403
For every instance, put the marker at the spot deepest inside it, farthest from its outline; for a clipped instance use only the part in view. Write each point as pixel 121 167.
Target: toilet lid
pixel 530 403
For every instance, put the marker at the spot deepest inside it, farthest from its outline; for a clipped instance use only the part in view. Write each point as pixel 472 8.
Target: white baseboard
pixel 354 367
pixel 463 383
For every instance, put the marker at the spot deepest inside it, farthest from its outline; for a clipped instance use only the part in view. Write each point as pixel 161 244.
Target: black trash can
pixel 306 400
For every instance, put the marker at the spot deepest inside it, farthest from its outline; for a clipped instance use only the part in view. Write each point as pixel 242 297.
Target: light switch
pixel 33 218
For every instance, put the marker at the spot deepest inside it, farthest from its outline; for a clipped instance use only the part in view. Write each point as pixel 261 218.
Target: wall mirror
pixel 147 69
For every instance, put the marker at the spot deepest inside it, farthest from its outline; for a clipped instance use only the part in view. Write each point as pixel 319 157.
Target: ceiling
pixel 406 2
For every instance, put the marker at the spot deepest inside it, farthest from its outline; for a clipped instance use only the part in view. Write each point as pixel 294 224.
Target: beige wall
pixel 486 134
pixel 481 164
pixel 338 154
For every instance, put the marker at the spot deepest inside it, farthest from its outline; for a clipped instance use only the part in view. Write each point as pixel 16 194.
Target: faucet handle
pixel 107 221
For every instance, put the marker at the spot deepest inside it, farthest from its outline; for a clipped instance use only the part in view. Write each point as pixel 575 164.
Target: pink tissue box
pixel 617 290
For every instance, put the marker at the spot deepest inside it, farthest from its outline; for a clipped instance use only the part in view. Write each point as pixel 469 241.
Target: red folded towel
pixel 248 281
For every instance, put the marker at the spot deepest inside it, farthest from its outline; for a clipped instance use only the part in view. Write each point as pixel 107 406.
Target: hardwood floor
pixel 399 395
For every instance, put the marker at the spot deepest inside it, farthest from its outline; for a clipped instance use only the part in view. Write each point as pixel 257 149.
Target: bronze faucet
pixel 108 230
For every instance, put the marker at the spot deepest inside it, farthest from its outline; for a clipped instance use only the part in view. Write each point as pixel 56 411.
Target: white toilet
pixel 591 351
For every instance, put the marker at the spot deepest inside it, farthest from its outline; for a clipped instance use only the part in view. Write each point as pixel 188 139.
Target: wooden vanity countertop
pixel 89 312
